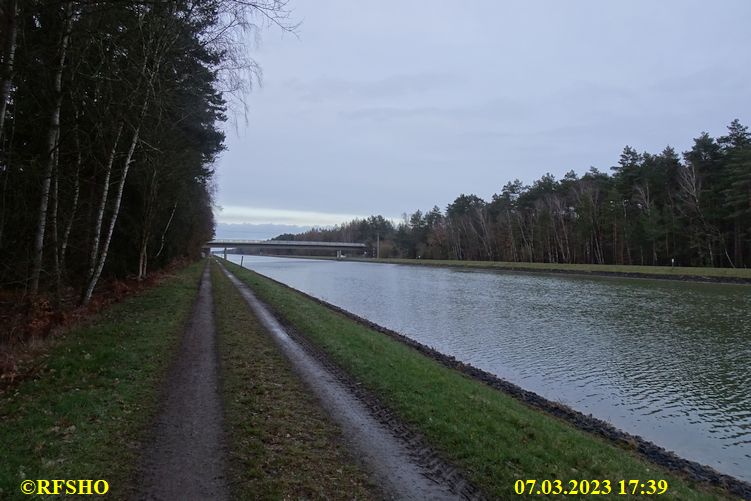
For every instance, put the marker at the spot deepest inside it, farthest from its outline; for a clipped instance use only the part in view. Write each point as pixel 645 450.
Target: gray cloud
pixel 324 89
pixel 247 231
pixel 494 109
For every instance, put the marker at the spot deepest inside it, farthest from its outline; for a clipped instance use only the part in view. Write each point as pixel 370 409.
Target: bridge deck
pixel 285 243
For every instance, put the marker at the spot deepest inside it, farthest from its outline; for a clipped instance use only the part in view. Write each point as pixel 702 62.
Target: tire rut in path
pixel 186 458
pixel 400 464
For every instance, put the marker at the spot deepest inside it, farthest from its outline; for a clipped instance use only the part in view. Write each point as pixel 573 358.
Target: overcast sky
pixel 385 107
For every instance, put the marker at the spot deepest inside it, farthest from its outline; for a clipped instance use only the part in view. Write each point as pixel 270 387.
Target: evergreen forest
pixel 689 209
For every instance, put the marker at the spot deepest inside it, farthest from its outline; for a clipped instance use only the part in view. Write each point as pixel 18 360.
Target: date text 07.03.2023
pixel 590 487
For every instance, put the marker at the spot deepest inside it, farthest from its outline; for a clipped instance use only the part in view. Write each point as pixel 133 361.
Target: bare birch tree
pixel 53 134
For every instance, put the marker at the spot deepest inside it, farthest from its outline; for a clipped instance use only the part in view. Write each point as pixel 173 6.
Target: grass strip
pixel 83 413
pixel 675 272
pixel 495 438
pixel 282 444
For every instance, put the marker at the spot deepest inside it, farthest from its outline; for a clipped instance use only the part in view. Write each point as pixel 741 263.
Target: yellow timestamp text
pixel 557 487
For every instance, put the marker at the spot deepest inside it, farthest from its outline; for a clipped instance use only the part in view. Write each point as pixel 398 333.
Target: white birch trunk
pixel 164 233
pixel 74 205
pixel 53 223
pixel 94 253
pixel 115 212
pixel 52 137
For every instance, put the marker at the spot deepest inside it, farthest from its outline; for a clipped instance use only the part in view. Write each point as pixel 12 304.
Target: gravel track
pixel 186 458
pixel 398 460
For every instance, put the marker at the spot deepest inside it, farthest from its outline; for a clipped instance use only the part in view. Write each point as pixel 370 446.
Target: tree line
pixel 692 209
pixel 110 117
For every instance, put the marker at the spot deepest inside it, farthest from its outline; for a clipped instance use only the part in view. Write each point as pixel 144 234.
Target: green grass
pixel 495 438
pixel 584 269
pixel 82 414
pixel 282 444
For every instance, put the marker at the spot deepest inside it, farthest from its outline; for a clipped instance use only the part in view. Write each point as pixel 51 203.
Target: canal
pixel 667 360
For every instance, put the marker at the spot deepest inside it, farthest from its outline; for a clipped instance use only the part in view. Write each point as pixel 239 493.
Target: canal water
pixel 667 360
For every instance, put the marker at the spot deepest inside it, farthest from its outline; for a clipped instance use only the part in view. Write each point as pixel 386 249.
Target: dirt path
pixel 187 454
pixel 401 469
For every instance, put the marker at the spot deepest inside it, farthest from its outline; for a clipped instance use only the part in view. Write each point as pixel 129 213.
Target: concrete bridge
pixel 260 245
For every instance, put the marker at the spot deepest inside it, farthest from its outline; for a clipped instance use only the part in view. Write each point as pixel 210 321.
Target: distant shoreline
pixel 738 276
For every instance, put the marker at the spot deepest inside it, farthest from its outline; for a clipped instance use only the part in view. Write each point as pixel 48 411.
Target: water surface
pixel 667 360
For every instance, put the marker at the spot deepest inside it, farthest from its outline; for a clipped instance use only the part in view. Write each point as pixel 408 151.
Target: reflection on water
pixel 665 360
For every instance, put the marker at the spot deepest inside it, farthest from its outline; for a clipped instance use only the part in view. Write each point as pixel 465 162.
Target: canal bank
pixel 664 360
pixel 82 408
pixel 496 438
pixel 680 273
pixel 398 462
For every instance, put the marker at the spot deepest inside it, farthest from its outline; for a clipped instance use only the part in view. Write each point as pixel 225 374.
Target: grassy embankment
pixel 676 272
pixel 495 438
pixel 82 411
pixel 282 445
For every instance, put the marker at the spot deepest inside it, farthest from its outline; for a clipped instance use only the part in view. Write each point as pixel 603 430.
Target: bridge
pixel 339 247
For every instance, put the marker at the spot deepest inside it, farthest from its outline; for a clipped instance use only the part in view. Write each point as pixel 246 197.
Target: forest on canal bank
pixel 689 209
